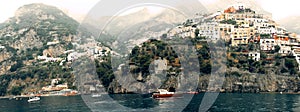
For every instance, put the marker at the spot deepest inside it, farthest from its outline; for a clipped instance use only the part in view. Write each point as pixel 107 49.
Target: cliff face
pixel 5 65
pixel 242 73
pixel 268 78
pixel 254 83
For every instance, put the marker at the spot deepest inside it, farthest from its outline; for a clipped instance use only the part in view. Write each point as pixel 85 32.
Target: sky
pixel 78 8
pixel 281 8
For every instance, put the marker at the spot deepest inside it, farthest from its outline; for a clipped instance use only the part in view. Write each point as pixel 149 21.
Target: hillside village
pixel 242 27
pixel 255 45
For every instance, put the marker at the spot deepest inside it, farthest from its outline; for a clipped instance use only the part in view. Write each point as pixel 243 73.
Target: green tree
pixel 19 64
pixel 263 55
pixel 251 46
pixel 290 63
pixel 197 32
pixel 16 90
pixel 277 48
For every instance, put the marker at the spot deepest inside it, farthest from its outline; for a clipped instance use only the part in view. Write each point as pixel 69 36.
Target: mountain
pixel 133 28
pixel 114 25
pixel 292 24
pixel 117 23
pixel 38 22
pixel 155 27
pixel 36 30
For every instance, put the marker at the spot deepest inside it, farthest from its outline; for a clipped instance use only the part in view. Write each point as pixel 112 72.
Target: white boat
pixel 96 95
pixel 33 99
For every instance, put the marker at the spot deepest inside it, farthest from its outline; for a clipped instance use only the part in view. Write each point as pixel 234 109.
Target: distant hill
pixel 292 24
pixel 142 24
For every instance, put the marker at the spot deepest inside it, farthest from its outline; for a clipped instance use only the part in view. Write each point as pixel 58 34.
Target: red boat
pixel 162 93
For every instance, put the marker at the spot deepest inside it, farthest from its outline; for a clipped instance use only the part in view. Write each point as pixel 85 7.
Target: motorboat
pixel 161 93
pixel 34 99
pixel 96 95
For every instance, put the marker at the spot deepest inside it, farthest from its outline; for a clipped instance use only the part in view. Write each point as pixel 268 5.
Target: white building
pixel 254 55
pixel 256 20
pixel 260 24
pixel 54 81
pixel 227 28
pixel 280 30
pixel 284 44
pixel 267 44
pixel 69 51
pixel 55 41
pixel 49 59
pixel 285 49
pixel 266 30
pixel 209 30
pixel 72 56
pixel 183 31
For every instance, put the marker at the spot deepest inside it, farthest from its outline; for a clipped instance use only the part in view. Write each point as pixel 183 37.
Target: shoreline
pixel 27 96
pixel 47 95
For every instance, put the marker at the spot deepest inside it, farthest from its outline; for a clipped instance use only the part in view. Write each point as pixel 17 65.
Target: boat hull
pixel 162 95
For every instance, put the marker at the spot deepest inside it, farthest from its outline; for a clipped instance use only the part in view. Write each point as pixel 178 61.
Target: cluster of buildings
pixel 56 89
pixel 91 49
pixel 241 26
pixel 55 41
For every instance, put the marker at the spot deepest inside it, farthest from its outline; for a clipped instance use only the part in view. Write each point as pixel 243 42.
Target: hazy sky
pixel 279 8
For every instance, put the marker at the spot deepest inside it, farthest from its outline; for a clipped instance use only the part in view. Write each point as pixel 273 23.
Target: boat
pixel 96 95
pixel 192 92
pixel 34 99
pixel 162 93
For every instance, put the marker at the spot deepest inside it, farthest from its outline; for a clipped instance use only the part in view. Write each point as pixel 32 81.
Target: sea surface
pixel 135 102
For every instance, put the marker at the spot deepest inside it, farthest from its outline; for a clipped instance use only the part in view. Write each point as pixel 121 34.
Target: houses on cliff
pixel 242 26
